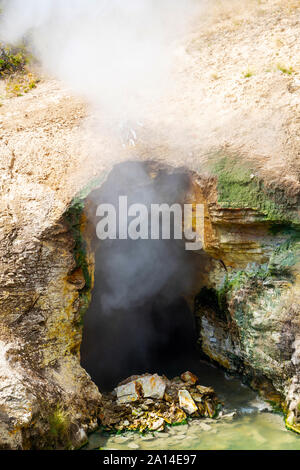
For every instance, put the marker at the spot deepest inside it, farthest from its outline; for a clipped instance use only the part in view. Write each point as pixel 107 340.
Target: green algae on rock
pixel 240 187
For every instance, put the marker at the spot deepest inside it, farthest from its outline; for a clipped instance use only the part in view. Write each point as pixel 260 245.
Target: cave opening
pixel 141 317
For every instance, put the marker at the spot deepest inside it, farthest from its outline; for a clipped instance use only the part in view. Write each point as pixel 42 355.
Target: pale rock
pixel 186 402
pixel 133 445
pixel 149 386
pixel 155 425
pixel 153 386
pixel 127 393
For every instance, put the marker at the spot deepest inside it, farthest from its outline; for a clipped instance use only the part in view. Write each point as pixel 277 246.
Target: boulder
pixel 186 402
pixel 153 386
pixel 147 386
pixel 127 393
pixel 189 377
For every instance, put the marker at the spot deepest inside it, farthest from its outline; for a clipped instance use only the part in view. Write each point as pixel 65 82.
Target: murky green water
pixel 252 427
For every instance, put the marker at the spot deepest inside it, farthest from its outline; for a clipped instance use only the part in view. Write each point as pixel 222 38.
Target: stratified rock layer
pixel 248 308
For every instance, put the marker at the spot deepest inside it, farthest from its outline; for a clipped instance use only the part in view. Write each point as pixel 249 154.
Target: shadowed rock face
pixel 246 285
pixel 153 337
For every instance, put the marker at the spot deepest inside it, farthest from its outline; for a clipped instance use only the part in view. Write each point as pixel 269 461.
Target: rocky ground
pixel 150 402
pixel 244 97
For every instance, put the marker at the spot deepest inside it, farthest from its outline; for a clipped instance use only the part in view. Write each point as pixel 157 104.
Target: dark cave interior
pixel 139 319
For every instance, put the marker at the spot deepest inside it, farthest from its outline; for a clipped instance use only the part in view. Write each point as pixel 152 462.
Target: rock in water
pixel 159 423
pixel 149 402
pixel 186 402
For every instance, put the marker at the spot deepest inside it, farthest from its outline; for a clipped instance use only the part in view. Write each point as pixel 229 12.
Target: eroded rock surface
pixel 47 399
pixel 248 308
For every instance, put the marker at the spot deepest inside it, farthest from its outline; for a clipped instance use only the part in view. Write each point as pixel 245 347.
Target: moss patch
pixel 58 423
pixel 59 429
pixel 75 219
pixel 292 427
pixel 239 187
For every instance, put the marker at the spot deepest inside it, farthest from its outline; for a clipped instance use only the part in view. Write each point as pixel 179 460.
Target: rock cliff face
pixel 246 300
pixel 249 315
pixel 246 295
pixel 47 399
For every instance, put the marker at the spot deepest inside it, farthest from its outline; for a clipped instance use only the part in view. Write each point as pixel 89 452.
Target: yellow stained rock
pixel 189 377
pixel 186 402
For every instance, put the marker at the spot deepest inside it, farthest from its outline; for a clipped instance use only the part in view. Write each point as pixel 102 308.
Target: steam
pixel 117 53
pixel 135 271
pixel 138 320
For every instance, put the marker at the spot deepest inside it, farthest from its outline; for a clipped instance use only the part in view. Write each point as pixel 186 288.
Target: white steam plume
pixel 118 53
